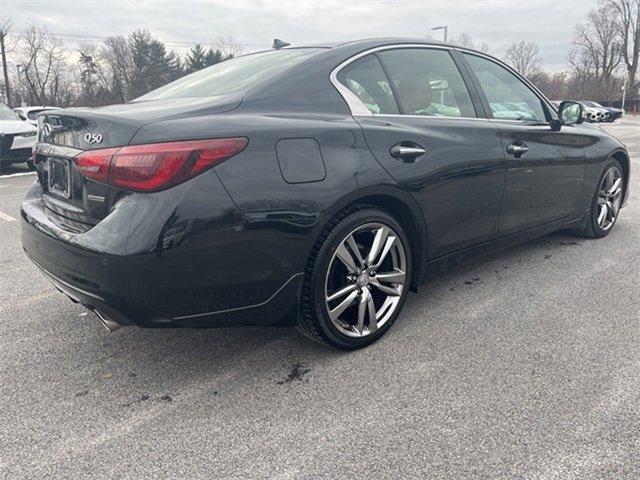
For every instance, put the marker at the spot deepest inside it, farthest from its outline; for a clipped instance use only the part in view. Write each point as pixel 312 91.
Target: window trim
pixel 549 111
pixel 394 95
pixel 359 109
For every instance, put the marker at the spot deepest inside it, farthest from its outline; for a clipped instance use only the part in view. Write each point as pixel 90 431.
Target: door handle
pixel 517 149
pixel 407 152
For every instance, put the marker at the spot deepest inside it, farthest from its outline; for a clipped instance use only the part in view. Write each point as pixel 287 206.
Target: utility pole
pixel 442 27
pixel 3 34
pixel 624 94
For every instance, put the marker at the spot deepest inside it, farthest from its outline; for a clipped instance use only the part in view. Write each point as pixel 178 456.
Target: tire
pixel 382 281
pixel 595 227
pixel 31 165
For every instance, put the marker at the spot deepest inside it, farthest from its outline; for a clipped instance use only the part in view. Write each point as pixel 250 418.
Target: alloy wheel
pixel 365 280
pixel 609 198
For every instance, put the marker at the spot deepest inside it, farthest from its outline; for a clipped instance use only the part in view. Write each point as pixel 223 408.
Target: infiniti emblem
pixel 363 280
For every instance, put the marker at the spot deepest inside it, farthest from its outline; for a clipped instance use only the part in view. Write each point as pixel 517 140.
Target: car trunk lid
pixel 76 202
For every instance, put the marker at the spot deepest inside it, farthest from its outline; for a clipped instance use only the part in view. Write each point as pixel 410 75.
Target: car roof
pixel 28 109
pixel 367 43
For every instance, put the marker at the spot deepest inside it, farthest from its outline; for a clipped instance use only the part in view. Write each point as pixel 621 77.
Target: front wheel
pixel 606 202
pixel 356 280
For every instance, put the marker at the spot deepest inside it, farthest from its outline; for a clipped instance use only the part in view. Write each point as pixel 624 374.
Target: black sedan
pixel 309 186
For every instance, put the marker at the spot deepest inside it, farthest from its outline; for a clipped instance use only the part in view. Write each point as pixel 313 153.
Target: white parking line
pixel 6 217
pixel 22 174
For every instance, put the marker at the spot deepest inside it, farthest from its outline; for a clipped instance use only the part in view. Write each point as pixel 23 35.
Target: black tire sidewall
pixel 325 254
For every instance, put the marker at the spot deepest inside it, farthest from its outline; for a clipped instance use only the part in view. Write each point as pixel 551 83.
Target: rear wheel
pixel 606 202
pixel 356 280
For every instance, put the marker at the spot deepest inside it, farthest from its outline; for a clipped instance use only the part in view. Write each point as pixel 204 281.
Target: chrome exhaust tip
pixel 109 324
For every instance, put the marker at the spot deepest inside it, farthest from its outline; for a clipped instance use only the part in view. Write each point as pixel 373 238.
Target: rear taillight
pixel 157 166
pixel 94 164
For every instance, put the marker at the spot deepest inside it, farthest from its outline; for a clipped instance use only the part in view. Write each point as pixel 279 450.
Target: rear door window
pixel 366 79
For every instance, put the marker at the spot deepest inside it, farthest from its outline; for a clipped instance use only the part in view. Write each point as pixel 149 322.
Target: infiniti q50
pixel 309 186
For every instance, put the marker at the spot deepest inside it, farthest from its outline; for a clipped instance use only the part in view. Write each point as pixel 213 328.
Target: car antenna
pixel 278 44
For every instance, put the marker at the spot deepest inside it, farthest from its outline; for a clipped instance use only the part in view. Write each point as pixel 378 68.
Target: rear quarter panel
pixel 272 224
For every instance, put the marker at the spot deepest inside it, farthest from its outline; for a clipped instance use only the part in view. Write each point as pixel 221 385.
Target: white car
pixel 30 114
pixel 17 138
pixel 593 113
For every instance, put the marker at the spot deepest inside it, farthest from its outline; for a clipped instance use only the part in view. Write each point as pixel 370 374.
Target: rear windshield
pixel 7 114
pixel 230 75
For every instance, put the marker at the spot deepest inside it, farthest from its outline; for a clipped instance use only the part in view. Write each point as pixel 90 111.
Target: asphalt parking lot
pixel 522 364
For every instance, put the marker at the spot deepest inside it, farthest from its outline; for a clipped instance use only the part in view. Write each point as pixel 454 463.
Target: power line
pixel 100 38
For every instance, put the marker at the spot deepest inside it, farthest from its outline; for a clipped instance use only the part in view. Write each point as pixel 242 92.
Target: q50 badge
pixel 93 137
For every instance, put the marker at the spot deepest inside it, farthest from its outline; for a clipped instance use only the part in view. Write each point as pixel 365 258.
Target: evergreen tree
pixel 196 59
pixel 153 66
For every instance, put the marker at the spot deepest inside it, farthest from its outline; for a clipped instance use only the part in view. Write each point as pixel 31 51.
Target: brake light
pixel 94 164
pixel 157 166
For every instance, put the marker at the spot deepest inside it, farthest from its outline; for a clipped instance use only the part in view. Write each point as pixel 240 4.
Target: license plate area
pixel 59 177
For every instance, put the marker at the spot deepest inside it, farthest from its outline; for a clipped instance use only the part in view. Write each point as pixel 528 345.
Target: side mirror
pixel 570 113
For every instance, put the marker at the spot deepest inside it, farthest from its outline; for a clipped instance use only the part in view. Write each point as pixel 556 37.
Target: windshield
pixel 230 75
pixel 7 114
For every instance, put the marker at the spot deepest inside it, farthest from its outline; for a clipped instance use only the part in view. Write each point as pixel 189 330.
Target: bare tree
pixel 524 56
pixel 228 46
pixel 43 60
pixel 94 82
pixel 119 65
pixel 467 41
pixel 627 19
pixel 554 85
pixel 5 27
pixel 595 47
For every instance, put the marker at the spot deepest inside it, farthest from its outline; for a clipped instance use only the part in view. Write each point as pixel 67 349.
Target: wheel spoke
pixel 362 310
pixel 378 243
pixel 615 188
pixel 336 312
pixel 373 320
pixel 396 276
pixel 616 206
pixel 386 306
pixel 608 180
pixel 355 249
pixel 387 246
pixel 343 254
pixel 341 293
pixel 611 211
pixel 602 215
pixel 384 288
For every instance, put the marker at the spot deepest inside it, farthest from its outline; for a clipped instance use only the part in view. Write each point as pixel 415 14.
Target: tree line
pixel 603 57
pixel 114 71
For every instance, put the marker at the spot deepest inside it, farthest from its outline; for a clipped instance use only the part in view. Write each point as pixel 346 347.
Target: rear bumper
pixel 95 279
pixel 183 278
pixel 90 300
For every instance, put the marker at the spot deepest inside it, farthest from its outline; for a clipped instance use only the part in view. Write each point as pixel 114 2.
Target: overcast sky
pixel 254 24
